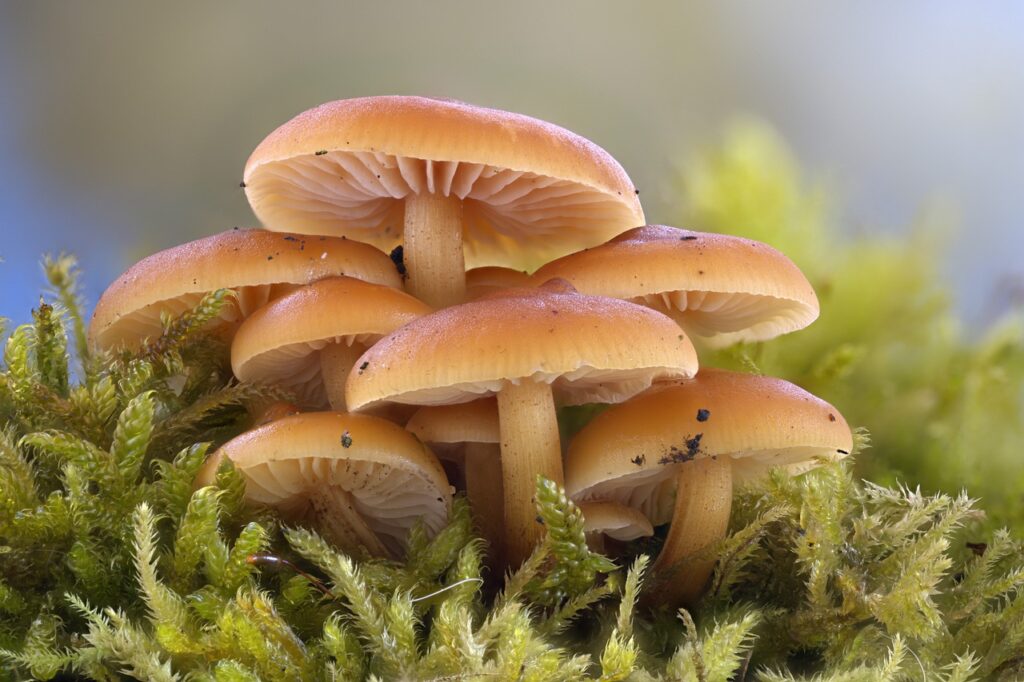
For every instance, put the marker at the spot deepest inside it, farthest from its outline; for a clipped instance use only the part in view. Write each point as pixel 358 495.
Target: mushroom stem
pixel 700 518
pixel 434 262
pixel 484 490
pixel 336 363
pixel 596 542
pixel 529 446
pixel 342 525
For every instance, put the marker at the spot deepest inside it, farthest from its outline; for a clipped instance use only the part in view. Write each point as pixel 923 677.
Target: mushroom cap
pixel 719 288
pixel 631 452
pixel 590 348
pixel 475 422
pixel 274 411
pixel 393 479
pixel 490 278
pixel 615 520
pixel 280 343
pixel 531 189
pixel 259 265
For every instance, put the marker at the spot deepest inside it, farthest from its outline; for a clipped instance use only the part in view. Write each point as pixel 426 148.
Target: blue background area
pixel 124 126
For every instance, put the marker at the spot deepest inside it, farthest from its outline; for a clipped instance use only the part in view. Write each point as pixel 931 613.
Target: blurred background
pixel 124 126
pixel 883 150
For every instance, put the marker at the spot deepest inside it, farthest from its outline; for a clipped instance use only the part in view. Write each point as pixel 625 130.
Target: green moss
pixel 112 565
pixel 945 408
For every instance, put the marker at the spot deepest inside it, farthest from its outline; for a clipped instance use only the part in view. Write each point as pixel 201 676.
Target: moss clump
pixel 113 565
pixel 944 406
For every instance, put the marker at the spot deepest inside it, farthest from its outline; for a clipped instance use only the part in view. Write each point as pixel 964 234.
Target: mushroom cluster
pixel 396 359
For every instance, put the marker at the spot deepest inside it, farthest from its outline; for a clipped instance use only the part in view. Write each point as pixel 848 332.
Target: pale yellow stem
pixel 434 263
pixel 484 491
pixel 700 519
pixel 529 446
pixel 342 525
pixel 336 363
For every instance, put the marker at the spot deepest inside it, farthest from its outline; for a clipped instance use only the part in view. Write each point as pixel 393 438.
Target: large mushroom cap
pixel 390 479
pixel 589 348
pixel 280 343
pixel 719 288
pixel 631 452
pixel 531 190
pixel 259 265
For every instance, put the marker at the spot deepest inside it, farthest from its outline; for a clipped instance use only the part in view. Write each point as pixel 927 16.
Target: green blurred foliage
pixel 944 404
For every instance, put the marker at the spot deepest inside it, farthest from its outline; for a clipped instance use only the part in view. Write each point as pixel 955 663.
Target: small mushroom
pixel 472 430
pixel 451 173
pixel 272 411
pixel 720 289
pixel 361 481
pixel 308 341
pixel 491 278
pixel 614 520
pixel 259 265
pixel 674 453
pixel 523 346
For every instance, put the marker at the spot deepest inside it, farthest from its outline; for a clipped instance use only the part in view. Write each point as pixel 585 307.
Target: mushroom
pixel 259 265
pixel 362 481
pixel 524 345
pixel 674 453
pixel 469 432
pixel 308 341
pixel 272 411
pixel 614 520
pixel 720 289
pixel 480 281
pixel 453 174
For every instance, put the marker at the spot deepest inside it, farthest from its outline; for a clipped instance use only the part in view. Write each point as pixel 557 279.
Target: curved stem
pixel 529 446
pixel 484 491
pixel 342 525
pixel 700 518
pixel 434 262
pixel 336 363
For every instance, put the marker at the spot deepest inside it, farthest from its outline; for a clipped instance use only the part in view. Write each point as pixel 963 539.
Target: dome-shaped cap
pixel 630 452
pixel 389 477
pixel 491 278
pixel 475 422
pixel 590 348
pixel 278 409
pixel 719 288
pixel 530 189
pixel 259 265
pixel 279 343
pixel 615 520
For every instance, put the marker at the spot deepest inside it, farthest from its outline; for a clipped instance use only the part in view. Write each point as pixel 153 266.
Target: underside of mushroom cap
pixel 259 265
pixel 631 453
pixel 531 190
pixel 721 289
pixel 392 478
pixel 589 348
pixel 279 344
